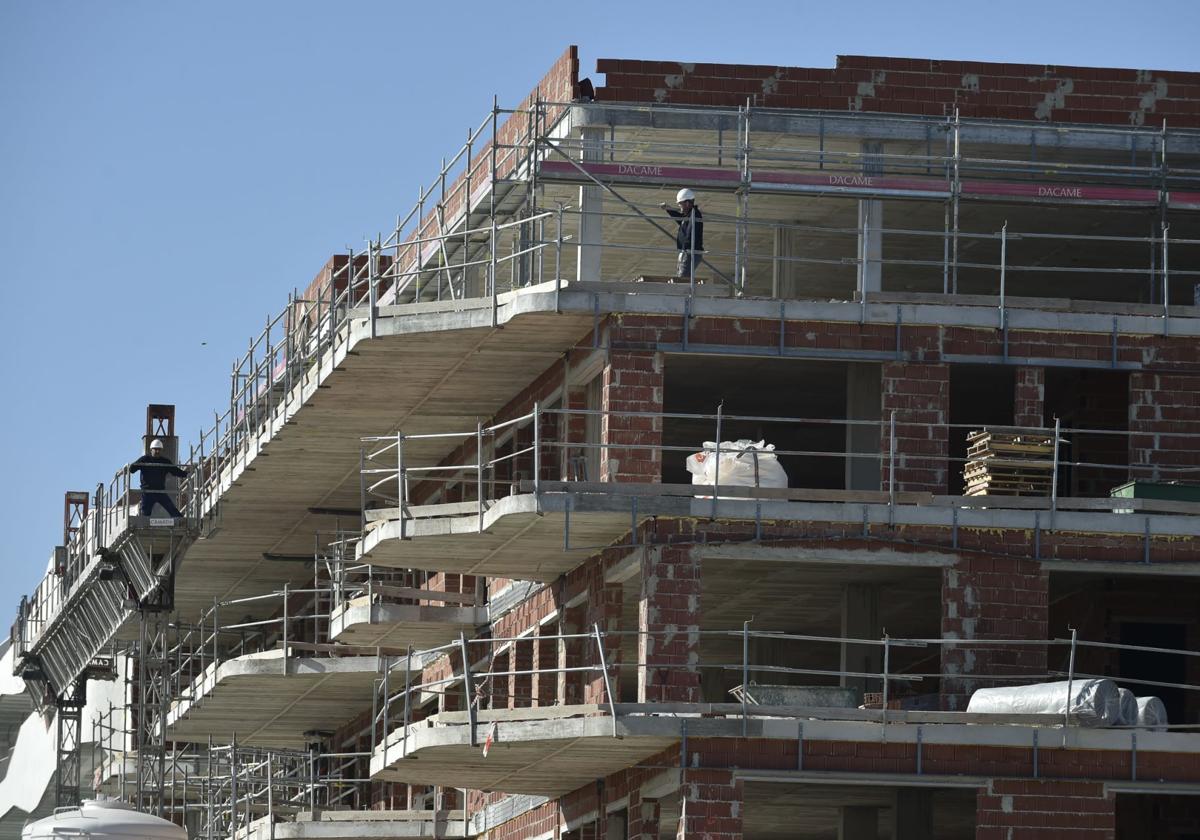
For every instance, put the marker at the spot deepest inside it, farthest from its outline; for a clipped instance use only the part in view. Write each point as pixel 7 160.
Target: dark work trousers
pixel 149 500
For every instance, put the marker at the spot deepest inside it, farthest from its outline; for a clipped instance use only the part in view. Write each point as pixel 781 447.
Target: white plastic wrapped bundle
pixel 1151 712
pixel 1129 708
pixel 744 463
pixel 1093 702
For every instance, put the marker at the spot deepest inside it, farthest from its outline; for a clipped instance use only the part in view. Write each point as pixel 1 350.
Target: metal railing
pixel 475 675
pixel 483 472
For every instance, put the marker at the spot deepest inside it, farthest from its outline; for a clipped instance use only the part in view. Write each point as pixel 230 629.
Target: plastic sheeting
pixel 1093 702
pixel 744 463
pixel 1129 708
pixel 1151 712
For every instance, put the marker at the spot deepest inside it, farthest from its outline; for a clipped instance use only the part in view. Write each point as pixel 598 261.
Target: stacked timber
pixel 1008 464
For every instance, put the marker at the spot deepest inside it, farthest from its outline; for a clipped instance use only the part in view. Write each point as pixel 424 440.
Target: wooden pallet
pixel 1008 464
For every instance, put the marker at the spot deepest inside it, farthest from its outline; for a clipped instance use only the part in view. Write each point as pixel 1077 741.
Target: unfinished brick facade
pixel 919 394
pixel 991 598
pixel 1029 397
pixel 1029 809
pixel 669 617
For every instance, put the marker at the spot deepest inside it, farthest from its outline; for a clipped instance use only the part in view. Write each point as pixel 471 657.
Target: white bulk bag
pixel 1129 708
pixel 1151 712
pixel 744 463
pixel 1093 702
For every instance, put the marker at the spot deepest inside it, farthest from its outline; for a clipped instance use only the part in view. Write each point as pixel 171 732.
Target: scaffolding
pixel 496 220
pixel 503 216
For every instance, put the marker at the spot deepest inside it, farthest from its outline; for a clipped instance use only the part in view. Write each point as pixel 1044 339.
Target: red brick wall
pixel 632 382
pixel 1162 409
pixel 919 86
pixel 1029 397
pixel 644 817
pixel 558 85
pixel 712 805
pixel 669 618
pixel 1028 809
pixel 992 598
pixel 919 393
pixel 603 610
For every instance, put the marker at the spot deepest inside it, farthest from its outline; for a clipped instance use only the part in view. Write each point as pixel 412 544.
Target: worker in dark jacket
pixel 155 469
pixel 689 239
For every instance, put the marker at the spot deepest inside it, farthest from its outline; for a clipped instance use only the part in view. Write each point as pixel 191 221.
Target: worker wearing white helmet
pixel 689 238
pixel 155 469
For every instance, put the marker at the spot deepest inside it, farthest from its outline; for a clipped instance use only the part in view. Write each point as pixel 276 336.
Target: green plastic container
pixel 1171 491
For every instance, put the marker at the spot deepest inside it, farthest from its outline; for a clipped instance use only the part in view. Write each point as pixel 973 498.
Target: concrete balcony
pixel 272 698
pixel 556 750
pixel 377 620
pixel 359 825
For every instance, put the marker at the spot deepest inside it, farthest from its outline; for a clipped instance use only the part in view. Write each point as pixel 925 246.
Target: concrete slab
pixel 520 538
pixel 267 699
pixel 545 757
pixel 359 825
pixel 362 621
pixel 556 750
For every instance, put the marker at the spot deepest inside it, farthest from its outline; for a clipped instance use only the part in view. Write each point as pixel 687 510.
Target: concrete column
pixel 591 201
pixel 862 403
pixel 914 814
pixel 870 223
pixel 858 823
pixel 669 618
pixel 860 620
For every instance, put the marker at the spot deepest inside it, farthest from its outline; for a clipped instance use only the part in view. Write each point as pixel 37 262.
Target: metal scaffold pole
pixel 153 698
pixel 69 708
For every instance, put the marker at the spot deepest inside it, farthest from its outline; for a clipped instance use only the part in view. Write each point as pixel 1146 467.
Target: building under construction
pixel 517 526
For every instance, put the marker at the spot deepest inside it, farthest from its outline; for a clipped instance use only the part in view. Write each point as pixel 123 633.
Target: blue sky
pixel 170 170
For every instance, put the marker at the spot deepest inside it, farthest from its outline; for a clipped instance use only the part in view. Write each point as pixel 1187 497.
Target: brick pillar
pixel 919 393
pixel 991 598
pixel 1029 397
pixel 644 816
pixel 520 687
pixel 497 690
pixel 572 431
pixel 1161 405
pixel 632 382
pixel 570 689
pixel 712 805
pixel 669 621
pixel 1030 809
pixel 545 661
pixel 603 609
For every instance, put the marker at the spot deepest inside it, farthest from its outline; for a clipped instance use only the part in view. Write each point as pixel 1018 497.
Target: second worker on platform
pixel 155 469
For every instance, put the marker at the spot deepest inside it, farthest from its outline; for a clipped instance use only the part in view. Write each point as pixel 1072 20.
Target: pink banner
pixel 831 182
pixel 1184 200
pixel 1052 192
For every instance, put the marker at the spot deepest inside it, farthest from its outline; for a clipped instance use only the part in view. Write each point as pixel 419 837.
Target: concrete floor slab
pixel 269 700
pixel 364 622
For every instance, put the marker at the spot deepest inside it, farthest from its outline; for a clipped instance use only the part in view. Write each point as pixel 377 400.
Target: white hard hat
pixel 156 444
pixel 684 195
